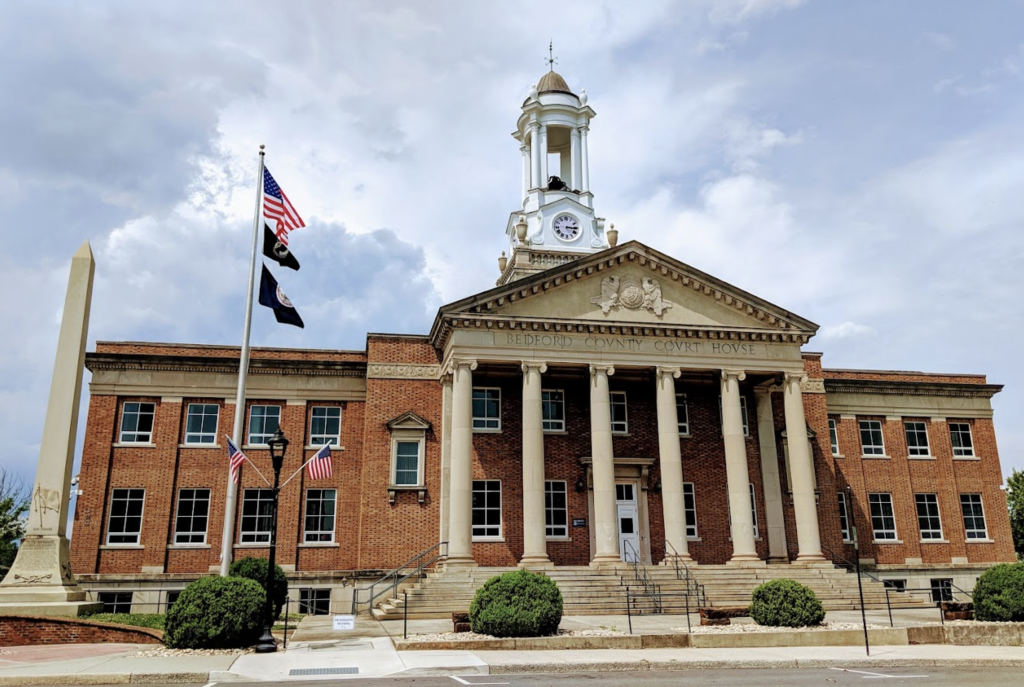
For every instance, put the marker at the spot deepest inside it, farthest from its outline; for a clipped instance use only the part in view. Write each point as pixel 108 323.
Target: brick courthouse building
pixel 604 402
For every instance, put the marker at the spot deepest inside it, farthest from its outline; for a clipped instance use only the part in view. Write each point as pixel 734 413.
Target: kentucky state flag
pixel 273 297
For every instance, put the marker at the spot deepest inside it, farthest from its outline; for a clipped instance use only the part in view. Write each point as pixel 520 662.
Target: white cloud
pixel 846 330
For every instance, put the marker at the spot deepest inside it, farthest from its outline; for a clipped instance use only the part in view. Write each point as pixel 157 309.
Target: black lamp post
pixel 278 445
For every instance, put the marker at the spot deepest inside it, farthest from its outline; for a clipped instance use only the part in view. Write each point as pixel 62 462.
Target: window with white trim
pixel 556 509
pixel 201 423
pixel 844 517
pixel 690 510
pixel 960 435
pixel 917 438
pixel 315 601
pixel 928 519
pixel 833 436
pixel 407 459
pixel 974 516
pixel 487 508
pixel 193 516
pixel 263 422
pixel 883 519
pixel 125 523
pixel 552 405
pixel 620 424
pixel 743 414
pixel 257 507
pixel 753 510
pixel 115 602
pixel 137 422
pixel 942 589
pixel 325 426
pixel 486 408
pixel 320 510
pixel 683 415
pixel 871 443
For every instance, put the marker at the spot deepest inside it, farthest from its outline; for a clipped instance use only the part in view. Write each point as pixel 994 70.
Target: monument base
pixel 40 581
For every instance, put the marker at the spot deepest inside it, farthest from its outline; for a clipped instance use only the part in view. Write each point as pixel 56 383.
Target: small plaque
pixel 579 522
pixel 344 622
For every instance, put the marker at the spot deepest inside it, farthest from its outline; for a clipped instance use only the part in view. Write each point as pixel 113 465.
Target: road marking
pixel 466 682
pixel 869 676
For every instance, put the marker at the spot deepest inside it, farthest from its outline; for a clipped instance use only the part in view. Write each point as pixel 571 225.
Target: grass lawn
pixel 151 620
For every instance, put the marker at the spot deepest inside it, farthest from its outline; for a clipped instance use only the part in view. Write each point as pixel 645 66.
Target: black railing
pixel 684 574
pixel 651 590
pixel 391 580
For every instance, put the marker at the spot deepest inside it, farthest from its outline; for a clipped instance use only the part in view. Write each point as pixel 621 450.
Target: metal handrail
pixel 394 578
pixel 641 575
pixel 692 586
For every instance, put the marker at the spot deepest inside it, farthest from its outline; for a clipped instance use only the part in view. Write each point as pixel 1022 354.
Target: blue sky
pixel 857 163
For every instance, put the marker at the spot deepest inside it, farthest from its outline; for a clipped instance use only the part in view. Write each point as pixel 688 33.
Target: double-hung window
pixel 325 426
pixel 871 443
pixel 257 507
pixel 928 516
pixel 883 519
pixel 960 435
pixel 263 422
pixel 553 410
pixel 844 517
pixel 407 462
pixel 690 510
pixel 556 512
pixel 833 436
pixel 974 516
pixel 192 517
pixel 320 509
pixel 743 414
pixel 201 423
pixel 620 423
pixel 917 438
pixel 683 415
pixel 137 422
pixel 125 524
pixel 487 508
pixel 486 409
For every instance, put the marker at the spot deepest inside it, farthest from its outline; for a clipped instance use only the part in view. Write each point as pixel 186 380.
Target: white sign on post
pixel 344 622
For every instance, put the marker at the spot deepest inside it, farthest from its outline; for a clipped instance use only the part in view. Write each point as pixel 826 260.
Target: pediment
pixel 408 420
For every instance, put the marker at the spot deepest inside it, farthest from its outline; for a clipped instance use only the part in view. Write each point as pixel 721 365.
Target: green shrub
pixel 785 603
pixel 516 604
pixel 151 620
pixel 256 569
pixel 999 593
pixel 216 613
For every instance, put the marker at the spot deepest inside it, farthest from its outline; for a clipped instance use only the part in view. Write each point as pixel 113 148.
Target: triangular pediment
pixel 408 420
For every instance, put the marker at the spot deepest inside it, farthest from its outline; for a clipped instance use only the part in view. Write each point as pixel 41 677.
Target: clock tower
pixel 556 223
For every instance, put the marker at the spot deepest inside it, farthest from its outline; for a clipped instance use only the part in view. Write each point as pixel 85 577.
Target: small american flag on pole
pixel 236 458
pixel 278 208
pixel 319 466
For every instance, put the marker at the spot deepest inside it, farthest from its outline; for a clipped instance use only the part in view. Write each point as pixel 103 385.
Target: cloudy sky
pixel 860 164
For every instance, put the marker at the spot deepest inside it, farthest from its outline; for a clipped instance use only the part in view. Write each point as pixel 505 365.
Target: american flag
pixel 277 207
pixel 319 466
pixel 236 458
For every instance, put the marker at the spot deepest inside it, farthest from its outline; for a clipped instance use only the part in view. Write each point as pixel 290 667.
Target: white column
pixel 801 468
pixel 446 453
pixel 460 538
pixel 737 475
pixel 543 156
pixel 774 518
pixel 535 181
pixel 584 160
pixel 606 530
pixel 671 465
pixel 535 548
pixel 525 150
pixel 574 156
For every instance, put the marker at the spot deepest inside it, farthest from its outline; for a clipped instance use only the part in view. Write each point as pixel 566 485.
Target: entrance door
pixel 629 522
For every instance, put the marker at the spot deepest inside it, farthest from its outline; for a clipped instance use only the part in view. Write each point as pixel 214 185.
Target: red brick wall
pixel 17 630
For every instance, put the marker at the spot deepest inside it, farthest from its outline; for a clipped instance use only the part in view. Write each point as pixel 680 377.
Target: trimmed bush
pixel 999 593
pixel 216 613
pixel 785 603
pixel 516 604
pixel 256 569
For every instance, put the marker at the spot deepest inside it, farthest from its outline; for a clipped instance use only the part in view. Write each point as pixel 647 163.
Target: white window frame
pixel 871 450
pixel 129 537
pixel 135 436
pixel 690 510
pixel 319 536
pixel 882 534
pixel 202 437
pixel 961 429
pixel 399 436
pixel 928 533
pixel 917 428
pixel 264 435
pixel 553 399
pixel 833 436
pixel 255 536
pixel 618 399
pixel 485 423
pixel 189 537
pixel 753 509
pixel 487 535
pixel 743 414
pixel 310 603
pixel 325 437
pixel 975 500
pixel 683 414
pixel 552 530
pixel 844 517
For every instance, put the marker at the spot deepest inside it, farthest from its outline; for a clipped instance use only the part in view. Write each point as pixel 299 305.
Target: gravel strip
pixel 741 628
pixel 467 636
pixel 162 651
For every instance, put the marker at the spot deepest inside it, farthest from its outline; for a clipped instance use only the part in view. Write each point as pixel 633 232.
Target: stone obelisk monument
pixel 40 581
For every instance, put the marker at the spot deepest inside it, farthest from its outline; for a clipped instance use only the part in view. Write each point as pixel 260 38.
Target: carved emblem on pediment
pixel 632 293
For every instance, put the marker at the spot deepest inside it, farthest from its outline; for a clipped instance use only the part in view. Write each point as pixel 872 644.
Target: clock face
pixel 566 227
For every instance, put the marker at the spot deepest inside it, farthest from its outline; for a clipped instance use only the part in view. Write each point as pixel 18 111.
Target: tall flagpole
pixel 228 537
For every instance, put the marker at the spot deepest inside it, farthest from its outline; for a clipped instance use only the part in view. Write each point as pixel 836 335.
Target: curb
pixel 650 666
pixel 108 679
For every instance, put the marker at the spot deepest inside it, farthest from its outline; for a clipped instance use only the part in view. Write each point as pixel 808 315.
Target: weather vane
pixel 551 59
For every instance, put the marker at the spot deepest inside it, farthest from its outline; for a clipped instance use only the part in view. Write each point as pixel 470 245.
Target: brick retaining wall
pixel 23 630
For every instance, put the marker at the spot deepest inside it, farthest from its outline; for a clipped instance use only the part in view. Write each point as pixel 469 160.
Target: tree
pixel 1015 502
pixel 14 500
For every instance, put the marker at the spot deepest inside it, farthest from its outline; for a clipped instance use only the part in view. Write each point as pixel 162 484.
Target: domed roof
pixel 553 81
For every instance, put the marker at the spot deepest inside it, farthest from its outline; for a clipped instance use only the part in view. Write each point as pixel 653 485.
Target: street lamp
pixel 278 445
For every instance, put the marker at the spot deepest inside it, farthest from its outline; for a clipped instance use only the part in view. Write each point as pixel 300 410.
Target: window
pixel 683 414
pixel 624 492
pixel 556 514
pixel 928 516
pixel 172 596
pixel 960 435
pixel 690 510
pixel 325 426
pixel 619 423
pixel 753 510
pixel 844 518
pixel 407 463
pixel 125 516
pixel 833 436
pixel 263 422
pixel 487 409
pixel 137 422
pixel 974 516
pixel 896 585
pixel 256 516
pixel 871 438
pixel 320 515
pixel 201 423
pixel 486 508
pixel 193 516
pixel 743 414
pixel 553 409
pixel 315 601
pixel 115 602
pixel 883 521
pixel 942 589
pixel 917 438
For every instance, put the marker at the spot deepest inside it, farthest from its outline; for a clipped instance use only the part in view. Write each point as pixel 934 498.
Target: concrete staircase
pixel 586 591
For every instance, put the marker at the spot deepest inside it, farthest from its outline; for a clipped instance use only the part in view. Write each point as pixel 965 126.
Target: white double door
pixel 628 520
